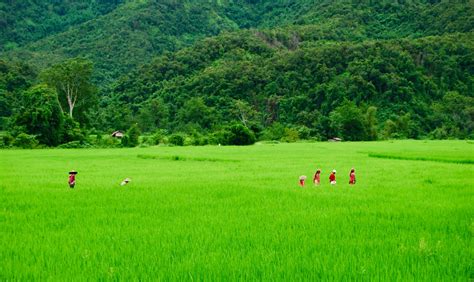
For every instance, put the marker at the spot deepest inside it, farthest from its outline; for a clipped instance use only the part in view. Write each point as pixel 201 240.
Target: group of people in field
pixel 72 179
pixel 332 177
pixel 316 178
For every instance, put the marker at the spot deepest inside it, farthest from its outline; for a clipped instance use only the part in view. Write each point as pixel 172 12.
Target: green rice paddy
pixel 237 213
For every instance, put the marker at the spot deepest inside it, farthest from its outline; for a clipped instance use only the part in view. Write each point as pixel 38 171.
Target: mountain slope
pixel 137 31
pixel 128 36
pixel 26 21
pixel 300 87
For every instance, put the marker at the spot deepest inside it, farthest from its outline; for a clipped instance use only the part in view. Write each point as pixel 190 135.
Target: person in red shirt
pixel 302 179
pixel 72 178
pixel 352 177
pixel 317 177
pixel 332 177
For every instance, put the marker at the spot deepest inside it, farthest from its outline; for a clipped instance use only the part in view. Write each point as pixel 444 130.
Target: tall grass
pixel 208 218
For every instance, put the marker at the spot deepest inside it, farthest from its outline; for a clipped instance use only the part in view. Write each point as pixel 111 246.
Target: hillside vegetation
pixel 284 70
pixel 244 76
pixel 133 32
pixel 25 21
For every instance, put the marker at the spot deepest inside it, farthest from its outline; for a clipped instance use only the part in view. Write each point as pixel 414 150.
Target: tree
pixel 390 129
pixel 244 112
pixel 40 114
pixel 132 136
pixel 348 120
pixel 153 115
pixel 371 123
pixel 455 114
pixel 240 135
pixel 195 112
pixel 72 81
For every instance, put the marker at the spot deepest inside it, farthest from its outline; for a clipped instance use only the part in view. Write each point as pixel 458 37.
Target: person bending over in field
pixel 125 181
pixel 72 178
pixel 332 177
pixel 317 177
pixel 352 176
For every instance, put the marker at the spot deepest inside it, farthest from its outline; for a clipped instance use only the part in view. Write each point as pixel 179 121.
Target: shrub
pixel 108 142
pixel 291 135
pixel 71 131
pixel 158 137
pixel 74 145
pixel 176 139
pixel 132 136
pixel 25 141
pixel 7 140
pixel 304 132
pixel 275 132
pixel 220 137
pixel 240 135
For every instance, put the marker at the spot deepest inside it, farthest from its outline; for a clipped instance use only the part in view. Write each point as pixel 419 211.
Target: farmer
pixel 332 177
pixel 317 177
pixel 352 176
pixel 72 178
pixel 302 179
pixel 125 181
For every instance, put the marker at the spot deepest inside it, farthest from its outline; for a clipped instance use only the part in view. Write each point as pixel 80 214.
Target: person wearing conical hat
pixel 72 178
pixel 125 181
pixel 302 179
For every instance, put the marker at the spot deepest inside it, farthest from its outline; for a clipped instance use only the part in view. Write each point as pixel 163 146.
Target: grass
pixel 237 213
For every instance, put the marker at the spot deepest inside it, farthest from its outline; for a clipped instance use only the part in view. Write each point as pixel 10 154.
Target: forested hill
pixel 280 70
pixel 25 21
pixel 317 88
pixel 118 37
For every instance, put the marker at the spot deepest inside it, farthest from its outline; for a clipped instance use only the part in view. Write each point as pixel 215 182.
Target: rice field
pixel 238 213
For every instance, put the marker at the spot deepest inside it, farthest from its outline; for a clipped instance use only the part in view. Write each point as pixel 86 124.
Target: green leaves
pixel 41 115
pixel 72 81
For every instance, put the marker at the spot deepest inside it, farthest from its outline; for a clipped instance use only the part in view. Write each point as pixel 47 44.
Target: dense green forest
pixel 136 31
pixel 25 21
pixel 215 71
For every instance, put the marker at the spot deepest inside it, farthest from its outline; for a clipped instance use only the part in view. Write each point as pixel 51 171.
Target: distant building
pixel 117 134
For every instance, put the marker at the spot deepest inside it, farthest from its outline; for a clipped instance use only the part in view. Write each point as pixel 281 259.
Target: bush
pixel 74 145
pixel 71 131
pixel 7 140
pixel 25 141
pixel 144 140
pixel 291 135
pixel 176 139
pixel 304 132
pixel 240 135
pixel 132 136
pixel 197 139
pixel 220 137
pixel 236 134
pixel 108 142
pixel 158 137
pixel 275 132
